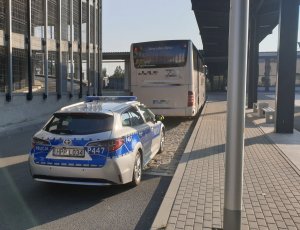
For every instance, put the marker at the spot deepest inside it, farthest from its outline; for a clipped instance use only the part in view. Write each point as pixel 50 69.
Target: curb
pixel 162 216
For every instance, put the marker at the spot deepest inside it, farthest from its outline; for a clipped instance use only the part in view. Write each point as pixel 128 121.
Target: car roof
pixel 98 104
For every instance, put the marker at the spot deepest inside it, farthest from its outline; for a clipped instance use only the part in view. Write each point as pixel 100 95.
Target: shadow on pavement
pixel 26 203
pixel 149 214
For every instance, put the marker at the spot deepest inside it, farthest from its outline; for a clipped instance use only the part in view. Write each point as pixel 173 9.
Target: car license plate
pixel 68 152
pixel 160 102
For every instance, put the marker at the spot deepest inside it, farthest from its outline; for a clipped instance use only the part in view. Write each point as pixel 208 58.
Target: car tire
pixel 137 170
pixel 162 142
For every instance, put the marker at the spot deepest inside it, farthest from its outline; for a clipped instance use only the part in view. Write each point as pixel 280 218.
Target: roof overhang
pixel 213 21
pixel 116 55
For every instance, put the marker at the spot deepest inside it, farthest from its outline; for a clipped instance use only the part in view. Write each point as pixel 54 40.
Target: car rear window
pixel 79 124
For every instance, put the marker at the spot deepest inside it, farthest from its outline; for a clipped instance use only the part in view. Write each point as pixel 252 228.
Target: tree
pixel 119 72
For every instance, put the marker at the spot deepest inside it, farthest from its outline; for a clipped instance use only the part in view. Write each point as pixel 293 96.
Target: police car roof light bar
pixel 110 98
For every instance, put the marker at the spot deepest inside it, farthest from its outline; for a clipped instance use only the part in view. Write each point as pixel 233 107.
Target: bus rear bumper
pixel 175 112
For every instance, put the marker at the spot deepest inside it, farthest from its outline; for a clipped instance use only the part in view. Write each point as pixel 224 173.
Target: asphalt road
pixel 28 204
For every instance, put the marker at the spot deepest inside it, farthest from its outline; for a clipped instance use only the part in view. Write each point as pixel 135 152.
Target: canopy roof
pixel 213 21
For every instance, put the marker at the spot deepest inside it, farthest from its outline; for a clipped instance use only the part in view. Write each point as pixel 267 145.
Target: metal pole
pixel 8 40
pixel 71 48
pixel 94 50
pixel 127 73
pixel 286 69
pixel 88 53
pixel 237 72
pixel 59 53
pixel 45 43
pixel 252 61
pixel 29 52
pixel 80 49
pixel 100 49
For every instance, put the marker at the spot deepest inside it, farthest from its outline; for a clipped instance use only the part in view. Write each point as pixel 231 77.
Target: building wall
pixel 59 54
pixel 269 60
pixel 19 109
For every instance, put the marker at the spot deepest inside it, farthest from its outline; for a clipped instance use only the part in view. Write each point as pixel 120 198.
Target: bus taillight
pixel 191 99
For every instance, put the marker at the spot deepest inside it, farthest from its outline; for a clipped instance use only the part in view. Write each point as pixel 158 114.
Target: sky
pixel 129 21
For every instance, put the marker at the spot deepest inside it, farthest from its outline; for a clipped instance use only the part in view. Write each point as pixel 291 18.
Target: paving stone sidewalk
pixel 271 195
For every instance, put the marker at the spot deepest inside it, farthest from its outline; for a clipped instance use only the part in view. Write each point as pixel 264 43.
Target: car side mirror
pixel 159 117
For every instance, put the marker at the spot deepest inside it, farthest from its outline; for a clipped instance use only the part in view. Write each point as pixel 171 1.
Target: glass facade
pixel 56 53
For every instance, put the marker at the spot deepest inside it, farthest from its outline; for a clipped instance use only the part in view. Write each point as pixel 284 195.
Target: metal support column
pixel 100 48
pixel 8 40
pixel 237 71
pixel 94 50
pixel 287 56
pixel 80 49
pixel 127 74
pixel 88 53
pixel 71 47
pixel 29 52
pixel 253 50
pixel 45 46
pixel 59 53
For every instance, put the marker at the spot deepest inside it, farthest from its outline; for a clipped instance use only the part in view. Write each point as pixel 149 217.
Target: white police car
pixel 102 141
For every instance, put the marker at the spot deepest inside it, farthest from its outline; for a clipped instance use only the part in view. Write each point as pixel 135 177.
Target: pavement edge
pixel 162 216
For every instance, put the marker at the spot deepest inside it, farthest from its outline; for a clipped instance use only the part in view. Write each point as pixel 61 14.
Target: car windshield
pixel 79 124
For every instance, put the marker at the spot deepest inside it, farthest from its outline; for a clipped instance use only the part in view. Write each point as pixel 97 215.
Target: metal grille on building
pixel 56 53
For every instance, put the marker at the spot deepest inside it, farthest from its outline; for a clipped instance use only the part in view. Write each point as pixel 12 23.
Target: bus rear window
pixel 79 124
pixel 162 54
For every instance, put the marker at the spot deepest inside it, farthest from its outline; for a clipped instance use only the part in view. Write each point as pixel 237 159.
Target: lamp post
pixel 234 157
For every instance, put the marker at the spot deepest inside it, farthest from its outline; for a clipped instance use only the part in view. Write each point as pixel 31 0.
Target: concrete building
pixel 268 69
pixel 50 55
pixel 267 73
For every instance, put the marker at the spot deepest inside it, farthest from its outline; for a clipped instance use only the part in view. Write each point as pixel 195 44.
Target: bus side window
pixel 200 64
pixel 195 59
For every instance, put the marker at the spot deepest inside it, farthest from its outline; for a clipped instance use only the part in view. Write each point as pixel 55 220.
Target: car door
pixel 155 129
pixel 143 130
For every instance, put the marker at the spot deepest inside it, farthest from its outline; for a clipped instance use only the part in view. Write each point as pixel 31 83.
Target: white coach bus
pixel 168 77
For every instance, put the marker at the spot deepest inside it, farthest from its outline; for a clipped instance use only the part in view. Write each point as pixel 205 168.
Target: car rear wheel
pixel 137 170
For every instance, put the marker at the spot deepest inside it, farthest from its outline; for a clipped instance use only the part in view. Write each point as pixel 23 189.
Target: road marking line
pixel 7 161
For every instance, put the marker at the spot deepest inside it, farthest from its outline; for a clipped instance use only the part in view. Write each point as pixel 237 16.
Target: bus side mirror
pixel 205 70
pixel 159 117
